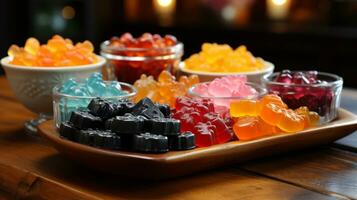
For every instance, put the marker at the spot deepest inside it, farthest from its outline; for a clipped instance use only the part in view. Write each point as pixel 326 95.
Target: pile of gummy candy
pixel 223 90
pixel 222 58
pixel 268 116
pixel 149 48
pixel 166 89
pixel 57 52
pixel 318 99
pixel 93 86
pixel 143 127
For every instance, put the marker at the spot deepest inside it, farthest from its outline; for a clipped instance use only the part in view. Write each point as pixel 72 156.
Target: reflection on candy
pixel 57 52
pixel 222 58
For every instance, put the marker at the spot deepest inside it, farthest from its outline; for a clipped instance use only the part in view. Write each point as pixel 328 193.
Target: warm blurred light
pixel 278 9
pixel 165 10
pixel 228 13
pixel 279 2
pixel 164 3
pixel 68 12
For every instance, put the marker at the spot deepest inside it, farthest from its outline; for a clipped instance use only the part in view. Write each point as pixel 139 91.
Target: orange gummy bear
pixel 250 128
pixel 166 89
pixel 57 52
pixel 269 115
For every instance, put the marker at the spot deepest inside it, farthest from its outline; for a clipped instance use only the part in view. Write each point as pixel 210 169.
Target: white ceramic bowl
pixel 254 77
pixel 33 85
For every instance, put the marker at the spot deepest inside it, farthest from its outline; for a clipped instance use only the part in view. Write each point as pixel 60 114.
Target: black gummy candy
pixel 102 108
pixel 165 109
pixel 165 126
pixel 127 124
pixel 107 140
pixel 123 107
pixel 183 141
pixel 84 120
pixel 150 143
pixel 67 131
pixel 86 137
pixel 145 107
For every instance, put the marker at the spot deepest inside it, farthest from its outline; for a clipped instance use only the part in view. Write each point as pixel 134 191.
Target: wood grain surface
pixel 31 169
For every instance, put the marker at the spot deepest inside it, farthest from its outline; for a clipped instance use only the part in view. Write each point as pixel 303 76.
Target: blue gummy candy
pixel 97 88
pixel 67 85
pixel 95 77
pixel 114 89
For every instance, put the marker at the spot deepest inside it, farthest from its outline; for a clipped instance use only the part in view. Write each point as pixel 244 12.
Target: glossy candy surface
pixel 58 52
pixel 222 58
pixel 302 90
pixel 199 117
pixel 122 125
pixel 166 89
pixel 267 116
pixel 148 54
pixel 223 90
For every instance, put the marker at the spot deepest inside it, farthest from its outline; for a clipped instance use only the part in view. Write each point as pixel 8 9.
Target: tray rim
pixel 349 119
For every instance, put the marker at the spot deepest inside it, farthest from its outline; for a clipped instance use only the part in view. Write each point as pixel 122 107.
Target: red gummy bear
pixel 198 116
pixel 204 134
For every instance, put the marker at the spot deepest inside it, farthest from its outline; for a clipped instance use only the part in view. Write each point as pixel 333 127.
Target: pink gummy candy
pixel 228 86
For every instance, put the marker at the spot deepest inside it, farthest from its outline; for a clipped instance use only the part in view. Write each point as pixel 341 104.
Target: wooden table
pixel 31 169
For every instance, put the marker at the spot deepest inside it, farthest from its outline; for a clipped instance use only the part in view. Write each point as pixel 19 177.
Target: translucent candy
pixel 57 52
pixel 32 46
pixel 222 58
pixel 165 90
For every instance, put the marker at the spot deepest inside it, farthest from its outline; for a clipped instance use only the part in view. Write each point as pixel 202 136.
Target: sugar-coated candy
pixel 166 89
pixel 67 130
pixel 147 142
pixel 58 52
pixel 183 141
pixel 84 120
pixel 127 124
pixel 222 58
pixel 165 126
pixel 147 108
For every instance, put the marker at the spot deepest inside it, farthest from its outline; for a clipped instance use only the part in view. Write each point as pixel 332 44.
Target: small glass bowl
pixel 222 103
pixel 323 98
pixel 128 64
pixel 64 104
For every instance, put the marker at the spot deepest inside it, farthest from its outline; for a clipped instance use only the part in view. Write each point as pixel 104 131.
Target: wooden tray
pixel 178 163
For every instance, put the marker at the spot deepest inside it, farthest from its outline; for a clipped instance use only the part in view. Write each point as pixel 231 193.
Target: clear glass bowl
pixel 64 104
pixel 128 64
pixel 222 103
pixel 323 98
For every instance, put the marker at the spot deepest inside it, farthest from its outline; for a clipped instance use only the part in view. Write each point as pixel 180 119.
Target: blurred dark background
pixel 294 34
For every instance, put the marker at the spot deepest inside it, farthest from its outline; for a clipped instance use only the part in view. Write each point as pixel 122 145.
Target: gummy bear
pixel 57 52
pixel 222 58
pixel 165 90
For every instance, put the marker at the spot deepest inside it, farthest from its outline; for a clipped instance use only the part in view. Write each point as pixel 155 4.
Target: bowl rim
pixel 338 80
pixel 269 67
pixel 5 63
pixel 56 92
pixel 263 91
pixel 105 46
